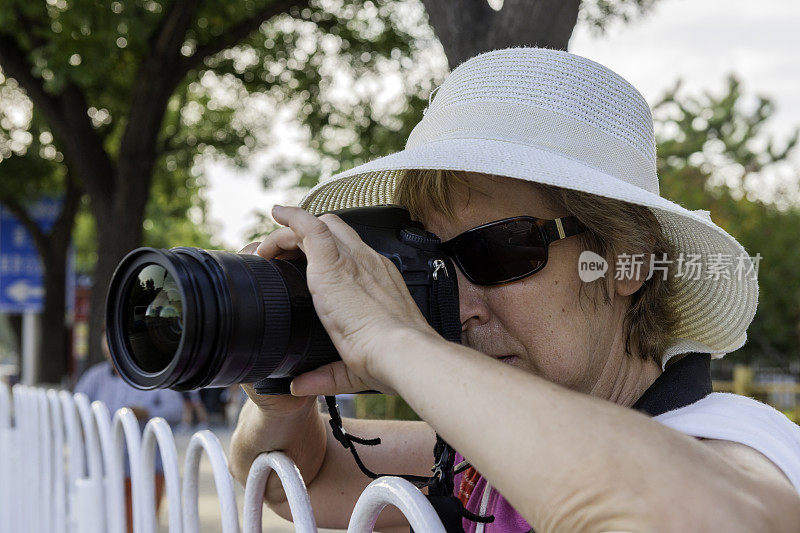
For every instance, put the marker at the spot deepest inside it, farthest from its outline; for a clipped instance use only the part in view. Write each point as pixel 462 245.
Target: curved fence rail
pixel 63 469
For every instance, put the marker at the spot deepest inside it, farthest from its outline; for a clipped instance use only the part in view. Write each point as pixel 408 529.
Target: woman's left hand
pixel 359 296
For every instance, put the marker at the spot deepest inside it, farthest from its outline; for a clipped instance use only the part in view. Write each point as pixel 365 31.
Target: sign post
pixel 31 332
pixel 22 276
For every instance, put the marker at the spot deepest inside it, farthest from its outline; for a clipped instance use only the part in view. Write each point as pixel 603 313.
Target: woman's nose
pixel 473 308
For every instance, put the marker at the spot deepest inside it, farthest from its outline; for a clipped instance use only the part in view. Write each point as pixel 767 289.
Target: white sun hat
pixel 559 119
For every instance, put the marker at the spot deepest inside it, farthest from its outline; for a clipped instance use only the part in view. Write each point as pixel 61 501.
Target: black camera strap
pixel 440 485
pixel 444 303
pixel 349 441
pixel 444 319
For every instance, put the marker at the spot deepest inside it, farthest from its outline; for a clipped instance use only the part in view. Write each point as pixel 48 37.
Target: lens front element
pixel 154 321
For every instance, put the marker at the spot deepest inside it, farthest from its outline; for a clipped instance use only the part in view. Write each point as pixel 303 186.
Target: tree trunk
pixel 119 230
pixel 51 365
pixel 470 27
pixel 51 360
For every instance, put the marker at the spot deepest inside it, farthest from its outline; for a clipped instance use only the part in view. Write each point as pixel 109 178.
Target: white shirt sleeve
pixel 744 420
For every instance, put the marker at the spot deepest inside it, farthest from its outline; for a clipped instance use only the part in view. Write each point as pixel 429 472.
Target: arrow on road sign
pixel 21 291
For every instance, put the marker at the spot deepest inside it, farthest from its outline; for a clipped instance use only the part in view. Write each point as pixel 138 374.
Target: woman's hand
pixel 359 295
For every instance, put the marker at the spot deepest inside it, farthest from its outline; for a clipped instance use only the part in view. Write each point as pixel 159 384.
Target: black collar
pixel 682 383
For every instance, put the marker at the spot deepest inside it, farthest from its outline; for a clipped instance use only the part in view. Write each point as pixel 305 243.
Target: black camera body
pixel 188 318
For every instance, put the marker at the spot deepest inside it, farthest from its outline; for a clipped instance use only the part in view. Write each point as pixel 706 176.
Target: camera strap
pixel 440 484
pixel 444 305
pixel 444 319
pixel 349 441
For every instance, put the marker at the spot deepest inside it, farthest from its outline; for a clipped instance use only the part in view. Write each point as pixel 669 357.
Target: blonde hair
pixel 613 228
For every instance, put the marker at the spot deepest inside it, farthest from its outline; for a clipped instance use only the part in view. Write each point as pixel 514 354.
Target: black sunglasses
pixel 509 249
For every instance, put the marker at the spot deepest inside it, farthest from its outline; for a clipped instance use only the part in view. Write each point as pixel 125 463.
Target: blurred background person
pixel 101 382
pixel 234 398
pixel 195 414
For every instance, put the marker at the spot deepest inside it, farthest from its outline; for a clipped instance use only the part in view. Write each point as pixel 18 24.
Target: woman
pixel 517 140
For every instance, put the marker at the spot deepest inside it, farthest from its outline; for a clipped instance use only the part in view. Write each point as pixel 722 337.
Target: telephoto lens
pixel 188 318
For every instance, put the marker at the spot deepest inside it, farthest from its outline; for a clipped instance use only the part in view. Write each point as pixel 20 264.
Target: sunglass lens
pixel 502 252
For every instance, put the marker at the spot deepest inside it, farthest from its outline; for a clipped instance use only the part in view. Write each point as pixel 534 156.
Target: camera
pixel 188 318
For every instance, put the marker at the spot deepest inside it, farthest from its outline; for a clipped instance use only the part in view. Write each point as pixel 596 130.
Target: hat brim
pixel 713 312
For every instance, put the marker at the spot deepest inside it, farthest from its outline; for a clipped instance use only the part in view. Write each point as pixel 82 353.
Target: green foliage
pixel 176 213
pixel 714 155
pixel 320 65
pixel 84 238
pixel 601 14
pixel 30 164
pixel 356 76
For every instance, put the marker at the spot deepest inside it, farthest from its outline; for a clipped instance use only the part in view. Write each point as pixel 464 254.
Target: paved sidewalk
pixel 208 503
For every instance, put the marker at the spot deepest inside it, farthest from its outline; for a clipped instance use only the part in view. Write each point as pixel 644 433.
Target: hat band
pixel 532 126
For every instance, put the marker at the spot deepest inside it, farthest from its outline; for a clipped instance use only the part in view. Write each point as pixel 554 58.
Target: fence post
pixel 125 428
pixel 77 459
pixel 157 431
pixel 114 479
pixel 7 452
pixel 5 405
pixel 89 491
pixel 59 484
pixel 26 463
pixel 206 440
pixel 45 438
pixel 292 481
pixel 389 490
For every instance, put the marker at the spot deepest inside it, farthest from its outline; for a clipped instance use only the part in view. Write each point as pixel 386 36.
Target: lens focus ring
pixel 277 316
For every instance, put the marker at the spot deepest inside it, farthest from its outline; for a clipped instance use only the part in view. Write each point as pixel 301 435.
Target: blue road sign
pixel 21 273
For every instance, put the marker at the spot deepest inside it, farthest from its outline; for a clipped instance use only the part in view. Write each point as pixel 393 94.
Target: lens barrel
pixel 189 318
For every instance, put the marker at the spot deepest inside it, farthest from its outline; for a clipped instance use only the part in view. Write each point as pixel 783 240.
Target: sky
pixel 698 41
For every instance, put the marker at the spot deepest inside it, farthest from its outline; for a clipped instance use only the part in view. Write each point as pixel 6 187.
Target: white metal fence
pixel 62 471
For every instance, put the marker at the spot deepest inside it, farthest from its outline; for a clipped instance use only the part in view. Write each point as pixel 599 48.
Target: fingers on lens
pixel 250 248
pixel 282 241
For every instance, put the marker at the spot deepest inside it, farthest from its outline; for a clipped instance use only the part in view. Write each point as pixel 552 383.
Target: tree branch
pixel 83 146
pixel 239 32
pixel 62 228
pixel 171 31
pixel 166 143
pixel 156 79
pixel 12 59
pixel 28 28
pixel 66 114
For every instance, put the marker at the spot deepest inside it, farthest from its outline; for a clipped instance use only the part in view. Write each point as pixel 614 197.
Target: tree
pixel 127 89
pixel 714 155
pixel 469 27
pixel 30 166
